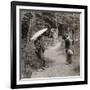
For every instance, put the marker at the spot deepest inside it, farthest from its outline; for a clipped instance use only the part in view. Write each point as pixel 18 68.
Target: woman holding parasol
pixel 39 46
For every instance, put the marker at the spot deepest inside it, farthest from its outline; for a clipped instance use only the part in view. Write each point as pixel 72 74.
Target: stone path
pixel 57 66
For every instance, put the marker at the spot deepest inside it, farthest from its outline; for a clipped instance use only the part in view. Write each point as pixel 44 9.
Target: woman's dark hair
pixel 63 37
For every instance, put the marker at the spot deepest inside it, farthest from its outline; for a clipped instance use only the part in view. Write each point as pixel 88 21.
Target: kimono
pixel 67 44
pixel 40 50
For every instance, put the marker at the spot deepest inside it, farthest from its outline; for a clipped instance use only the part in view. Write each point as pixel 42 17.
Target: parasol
pixel 39 33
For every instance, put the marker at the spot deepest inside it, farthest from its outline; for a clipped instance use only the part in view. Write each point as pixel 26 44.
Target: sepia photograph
pixel 50 44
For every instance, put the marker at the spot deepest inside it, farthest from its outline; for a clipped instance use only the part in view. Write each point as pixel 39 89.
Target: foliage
pixel 33 21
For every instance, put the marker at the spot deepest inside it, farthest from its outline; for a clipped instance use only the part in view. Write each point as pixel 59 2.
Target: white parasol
pixel 39 33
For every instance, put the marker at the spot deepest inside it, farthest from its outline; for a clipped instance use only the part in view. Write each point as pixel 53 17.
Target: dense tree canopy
pixel 33 21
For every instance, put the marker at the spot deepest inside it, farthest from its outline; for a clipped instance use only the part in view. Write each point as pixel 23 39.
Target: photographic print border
pixel 14 4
